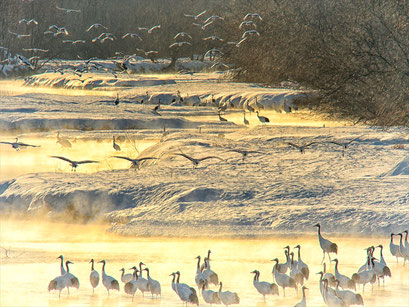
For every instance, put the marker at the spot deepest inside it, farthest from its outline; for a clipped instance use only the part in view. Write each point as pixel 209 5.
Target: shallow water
pixel 32 248
pixel 33 160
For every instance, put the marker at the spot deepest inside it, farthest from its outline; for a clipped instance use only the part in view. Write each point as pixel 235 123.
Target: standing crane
pixel 301 265
pixel 72 281
pixel 227 297
pixel 115 145
pixel 154 285
pixel 395 251
pixel 326 245
pixel 263 287
pixel 210 296
pixel 93 276
pixel 262 119
pixel 109 282
pixel 283 280
pixel 200 279
pixel 65 143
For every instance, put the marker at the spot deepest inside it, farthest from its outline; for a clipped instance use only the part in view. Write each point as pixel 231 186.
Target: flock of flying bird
pixel 248 25
pixel 135 162
pixel 337 290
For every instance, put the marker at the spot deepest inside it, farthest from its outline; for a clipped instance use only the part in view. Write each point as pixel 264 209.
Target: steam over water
pixel 32 248
pixel 36 160
pixel 275 190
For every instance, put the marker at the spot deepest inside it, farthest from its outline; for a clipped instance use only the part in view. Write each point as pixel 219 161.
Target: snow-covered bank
pixel 45 112
pixel 275 190
pixel 200 89
pixel 47 107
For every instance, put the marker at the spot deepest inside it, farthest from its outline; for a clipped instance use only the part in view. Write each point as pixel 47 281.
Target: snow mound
pixel 200 194
pixel 402 168
pixel 275 189
pixel 70 81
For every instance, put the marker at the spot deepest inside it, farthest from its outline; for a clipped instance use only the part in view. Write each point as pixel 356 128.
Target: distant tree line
pixel 354 53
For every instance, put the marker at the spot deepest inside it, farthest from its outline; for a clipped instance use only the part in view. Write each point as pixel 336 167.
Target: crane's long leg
pixel 323 258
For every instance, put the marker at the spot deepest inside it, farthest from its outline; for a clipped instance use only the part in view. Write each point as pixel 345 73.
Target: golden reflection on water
pixel 33 160
pixel 34 245
pixel 299 119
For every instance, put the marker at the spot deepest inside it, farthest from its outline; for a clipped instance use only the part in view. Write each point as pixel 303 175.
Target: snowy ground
pixel 274 190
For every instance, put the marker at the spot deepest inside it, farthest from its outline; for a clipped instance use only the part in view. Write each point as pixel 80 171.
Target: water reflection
pixel 34 160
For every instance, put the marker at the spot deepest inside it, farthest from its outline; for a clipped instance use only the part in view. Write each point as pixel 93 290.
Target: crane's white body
pixel 154 285
pixel 200 279
pixel 283 267
pixel 227 297
pixel 109 282
pixel 394 248
pixel 296 273
pixel 72 281
pixel 186 293
pixel 344 281
pixel 349 297
pixel 283 280
pixel 301 265
pixel 211 276
pixel 323 284
pixel 58 283
pixel 331 299
pixel 364 277
pixel 142 284
pixel 210 297
pixel 65 143
pixel 131 286
pixel 264 287
pixel 94 279
pixel 381 269
pixel 404 247
pixel 326 245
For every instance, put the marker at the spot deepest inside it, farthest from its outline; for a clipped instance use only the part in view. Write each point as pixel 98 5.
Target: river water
pixel 29 250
